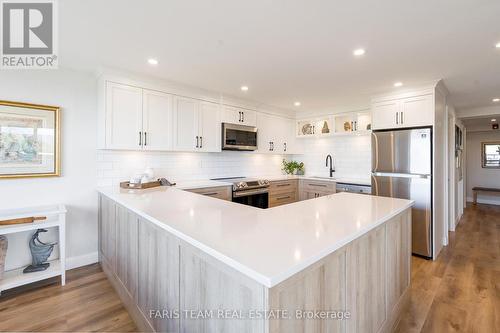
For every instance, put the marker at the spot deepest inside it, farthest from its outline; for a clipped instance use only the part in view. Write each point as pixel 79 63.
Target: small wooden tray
pixel 22 220
pixel 140 186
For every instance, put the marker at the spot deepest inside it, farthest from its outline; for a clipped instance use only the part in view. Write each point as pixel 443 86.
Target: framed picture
pixel 29 140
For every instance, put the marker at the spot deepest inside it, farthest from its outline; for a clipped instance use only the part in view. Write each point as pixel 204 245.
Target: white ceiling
pixel 288 50
pixel 481 123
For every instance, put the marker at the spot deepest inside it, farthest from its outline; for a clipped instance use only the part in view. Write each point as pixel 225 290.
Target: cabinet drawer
pixel 318 186
pixel 284 198
pixel 282 186
pixel 222 192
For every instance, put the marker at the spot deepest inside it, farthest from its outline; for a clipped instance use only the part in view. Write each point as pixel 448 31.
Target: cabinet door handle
pixel 243 117
pixel 197 141
pixel 272 146
pixel 284 146
pixel 397 117
pixel 145 138
pixel 355 125
pixel 282 198
pixel 201 142
pixel 211 193
pixel 286 184
pixel 318 185
pixel 140 138
pixel 402 120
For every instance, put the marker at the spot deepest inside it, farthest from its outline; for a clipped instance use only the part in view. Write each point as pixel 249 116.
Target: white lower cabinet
pixel 196 125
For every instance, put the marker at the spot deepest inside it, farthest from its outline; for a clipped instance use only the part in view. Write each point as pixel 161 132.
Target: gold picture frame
pixel 484 162
pixel 30 140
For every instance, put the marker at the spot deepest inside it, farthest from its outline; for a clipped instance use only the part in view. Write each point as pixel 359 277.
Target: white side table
pixel 56 217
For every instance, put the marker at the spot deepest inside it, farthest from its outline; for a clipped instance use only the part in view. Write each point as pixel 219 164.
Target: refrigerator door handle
pixel 375 152
pixel 401 175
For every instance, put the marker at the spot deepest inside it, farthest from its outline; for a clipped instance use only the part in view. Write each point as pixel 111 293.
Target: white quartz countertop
pixel 192 184
pixel 268 245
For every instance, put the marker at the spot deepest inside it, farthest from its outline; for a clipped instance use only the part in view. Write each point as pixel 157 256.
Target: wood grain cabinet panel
pixel 209 285
pixel 320 287
pixel 366 282
pixel 107 227
pixel 283 192
pixel 158 288
pixel 398 258
pixel 127 249
pixel 219 192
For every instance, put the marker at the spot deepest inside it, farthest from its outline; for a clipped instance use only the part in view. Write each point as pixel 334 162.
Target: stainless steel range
pixel 249 191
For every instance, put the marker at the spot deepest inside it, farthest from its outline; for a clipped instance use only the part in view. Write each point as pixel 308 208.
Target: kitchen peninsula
pixel 184 262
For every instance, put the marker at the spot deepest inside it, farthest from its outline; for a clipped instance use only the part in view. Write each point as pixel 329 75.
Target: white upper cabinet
pixel 123 116
pixel 209 127
pixel 276 134
pixel 234 115
pixel 417 111
pixel 186 137
pixel 404 112
pixel 196 125
pixel 157 120
pixel 136 118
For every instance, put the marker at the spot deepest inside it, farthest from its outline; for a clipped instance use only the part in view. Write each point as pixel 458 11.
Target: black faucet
pixel 332 169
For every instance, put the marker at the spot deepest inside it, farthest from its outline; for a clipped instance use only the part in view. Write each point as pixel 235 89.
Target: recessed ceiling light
pixel 152 61
pixel 398 84
pixel 497 45
pixel 493 120
pixel 496 100
pixel 359 52
pixel 296 103
pixel 244 88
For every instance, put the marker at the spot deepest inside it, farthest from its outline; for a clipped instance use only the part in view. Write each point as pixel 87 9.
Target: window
pixel 491 154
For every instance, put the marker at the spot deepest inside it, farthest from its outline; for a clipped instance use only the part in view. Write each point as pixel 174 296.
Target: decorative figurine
pixel 325 128
pixel 40 252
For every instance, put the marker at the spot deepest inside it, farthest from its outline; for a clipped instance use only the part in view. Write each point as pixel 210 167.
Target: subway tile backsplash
pixel 352 157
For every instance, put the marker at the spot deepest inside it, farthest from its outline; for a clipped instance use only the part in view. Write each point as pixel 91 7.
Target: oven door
pixel 238 137
pixel 257 198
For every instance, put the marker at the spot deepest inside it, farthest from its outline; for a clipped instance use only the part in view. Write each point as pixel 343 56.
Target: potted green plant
pixel 293 167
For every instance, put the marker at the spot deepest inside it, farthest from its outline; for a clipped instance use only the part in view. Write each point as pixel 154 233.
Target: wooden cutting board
pixel 22 220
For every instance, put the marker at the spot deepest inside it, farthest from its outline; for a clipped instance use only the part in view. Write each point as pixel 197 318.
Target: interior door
pixel 186 136
pixel 157 121
pixel 209 127
pixel 123 116
pixel 414 188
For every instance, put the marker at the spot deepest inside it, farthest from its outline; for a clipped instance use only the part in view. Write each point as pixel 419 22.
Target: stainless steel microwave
pixel 238 137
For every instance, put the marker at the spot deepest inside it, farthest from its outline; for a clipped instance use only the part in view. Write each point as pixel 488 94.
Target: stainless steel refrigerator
pixel 402 168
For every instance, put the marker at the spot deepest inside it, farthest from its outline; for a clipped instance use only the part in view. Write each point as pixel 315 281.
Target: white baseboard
pixel 485 201
pixel 83 260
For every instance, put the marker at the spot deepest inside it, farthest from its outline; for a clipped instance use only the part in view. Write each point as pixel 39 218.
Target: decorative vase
pixel 3 252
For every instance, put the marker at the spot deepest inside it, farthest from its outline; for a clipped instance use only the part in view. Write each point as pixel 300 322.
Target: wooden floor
pixel 87 303
pixel 459 292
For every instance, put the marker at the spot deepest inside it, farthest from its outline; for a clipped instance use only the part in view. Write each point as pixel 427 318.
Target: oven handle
pixel 250 192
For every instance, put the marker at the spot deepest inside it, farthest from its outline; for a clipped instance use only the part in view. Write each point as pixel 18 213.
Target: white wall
pixel 116 166
pixel 351 154
pixel 75 93
pixel 476 175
